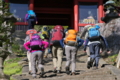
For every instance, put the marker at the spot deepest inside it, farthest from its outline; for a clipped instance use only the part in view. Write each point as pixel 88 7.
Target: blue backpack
pixel 93 32
pixel 31 14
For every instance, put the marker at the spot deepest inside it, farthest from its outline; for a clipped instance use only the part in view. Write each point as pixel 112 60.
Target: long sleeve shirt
pixel 88 42
pixel 25 19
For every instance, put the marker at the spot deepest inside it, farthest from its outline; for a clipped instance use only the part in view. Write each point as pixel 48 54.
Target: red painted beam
pixel 76 15
pixel 21 23
pixel 53 10
pixel 88 0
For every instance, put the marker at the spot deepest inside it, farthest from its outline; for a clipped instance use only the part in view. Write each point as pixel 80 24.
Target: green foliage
pixel 113 57
pixel 117 2
pixel 4 29
pixel 16 49
pixel 38 27
pixel 12 67
pixel 14 60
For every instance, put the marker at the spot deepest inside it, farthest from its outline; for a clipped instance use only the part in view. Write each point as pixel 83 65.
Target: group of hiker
pixel 58 41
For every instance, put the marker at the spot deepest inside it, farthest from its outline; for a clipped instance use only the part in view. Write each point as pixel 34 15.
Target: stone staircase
pixel 108 72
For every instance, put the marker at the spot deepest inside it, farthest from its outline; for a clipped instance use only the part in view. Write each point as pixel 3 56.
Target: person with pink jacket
pixel 36 54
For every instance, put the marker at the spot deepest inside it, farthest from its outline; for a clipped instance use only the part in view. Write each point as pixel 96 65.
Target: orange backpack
pixel 71 35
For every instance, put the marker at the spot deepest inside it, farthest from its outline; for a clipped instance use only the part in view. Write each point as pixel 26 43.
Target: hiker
pixel 31 18
pixel 72 43
pixel 57 34
pixel 46 34
pixel 94 44
pixel 29 33
pixel 36 47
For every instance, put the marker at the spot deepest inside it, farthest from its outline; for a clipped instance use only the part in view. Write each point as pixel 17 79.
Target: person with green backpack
pixel 45 32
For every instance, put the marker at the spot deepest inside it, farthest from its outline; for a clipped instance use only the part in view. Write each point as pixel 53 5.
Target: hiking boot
pixel 90 63
pixel 34 76
pixel 67 70
pixel 58 71
pixel 55 71
pixel 94 68
pixel 42 72
pixel 29 73
pixel 73 73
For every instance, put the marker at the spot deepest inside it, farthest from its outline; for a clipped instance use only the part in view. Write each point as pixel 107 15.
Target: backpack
pixel 31 14
pixel 57 35
pixel 45 32
pixel 93 33
pixel 36 42
pixel 71 37
pixel 30 32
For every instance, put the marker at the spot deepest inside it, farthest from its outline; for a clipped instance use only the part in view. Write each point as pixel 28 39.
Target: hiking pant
pixel 88 53
pixel 95 52
pixel 29 62
pixel 71 52
pixel 31 23
pixel 37 55
pixel 46 50
pixel 57 53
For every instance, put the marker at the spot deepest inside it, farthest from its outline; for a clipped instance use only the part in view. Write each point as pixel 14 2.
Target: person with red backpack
pixel 36 47
pixel 57 34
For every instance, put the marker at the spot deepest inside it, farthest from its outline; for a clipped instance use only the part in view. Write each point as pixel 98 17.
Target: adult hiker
pixel 29 34
pixel 94 44
pixel 36 47
pixel 72 43
pixel 57 34
pixel 45 32
pixel 31 18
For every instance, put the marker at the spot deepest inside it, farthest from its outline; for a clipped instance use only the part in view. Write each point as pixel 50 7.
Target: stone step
pixel 82 72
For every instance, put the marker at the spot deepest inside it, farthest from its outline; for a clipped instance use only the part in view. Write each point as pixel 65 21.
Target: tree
pixel 7 21
pixel 117 3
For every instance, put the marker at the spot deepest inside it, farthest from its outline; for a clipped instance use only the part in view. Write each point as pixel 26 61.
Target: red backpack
pixel 57 34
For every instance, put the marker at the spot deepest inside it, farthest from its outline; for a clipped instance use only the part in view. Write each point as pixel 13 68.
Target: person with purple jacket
pixel 31 18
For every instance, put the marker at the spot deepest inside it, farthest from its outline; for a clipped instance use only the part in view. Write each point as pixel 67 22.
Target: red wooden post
pixel 31 5
pixel 76 15
pixel 100 11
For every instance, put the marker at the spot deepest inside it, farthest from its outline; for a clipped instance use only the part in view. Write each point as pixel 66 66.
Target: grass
pixel 111 59
pixel 12 67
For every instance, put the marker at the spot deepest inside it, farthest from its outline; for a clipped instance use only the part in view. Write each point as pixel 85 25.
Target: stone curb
pixel 114 70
